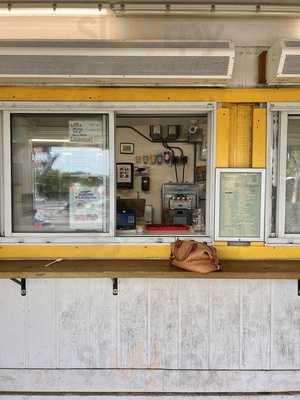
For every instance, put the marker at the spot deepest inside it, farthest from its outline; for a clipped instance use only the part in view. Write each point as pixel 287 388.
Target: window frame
pixel 284 110
pixel 111 109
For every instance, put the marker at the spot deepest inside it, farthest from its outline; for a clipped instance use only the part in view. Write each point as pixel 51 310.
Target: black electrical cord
pixel 183 161
pixel 135 130
pixel 165 144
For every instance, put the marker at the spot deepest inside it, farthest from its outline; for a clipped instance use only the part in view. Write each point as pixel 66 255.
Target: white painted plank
pixel 73 298
pixel 133 323
pixel 40 328
pixel 163 323
pixel 103 324
pixel 74 324
pixel 194 324
pixel 224 335
pixel 12 325
pixel 149 381
pixel 285 328
pixel 255 323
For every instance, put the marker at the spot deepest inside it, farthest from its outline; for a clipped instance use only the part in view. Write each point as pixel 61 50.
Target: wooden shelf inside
pixel 145 268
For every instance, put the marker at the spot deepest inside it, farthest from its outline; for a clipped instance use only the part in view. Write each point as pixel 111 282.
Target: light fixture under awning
pixel 53 9
pixel 204 10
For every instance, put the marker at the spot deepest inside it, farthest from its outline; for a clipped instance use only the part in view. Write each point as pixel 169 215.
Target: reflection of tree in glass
pixel 55 184
pixel 293 175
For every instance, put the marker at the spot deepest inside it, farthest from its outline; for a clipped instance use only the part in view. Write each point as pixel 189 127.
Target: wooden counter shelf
pixel 145 268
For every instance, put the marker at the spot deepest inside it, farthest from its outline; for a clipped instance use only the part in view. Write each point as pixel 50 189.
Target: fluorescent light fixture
pixel 42 140
pixel 93 8
pixel 51 9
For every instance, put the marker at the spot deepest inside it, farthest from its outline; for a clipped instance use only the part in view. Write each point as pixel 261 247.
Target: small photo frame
pixel 126 148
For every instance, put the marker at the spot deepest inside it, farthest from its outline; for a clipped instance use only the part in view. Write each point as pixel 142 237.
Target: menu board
pixel 240 204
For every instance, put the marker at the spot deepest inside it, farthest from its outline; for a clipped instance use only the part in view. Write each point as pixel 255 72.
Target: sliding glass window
pixel 285 176
pixel 60 174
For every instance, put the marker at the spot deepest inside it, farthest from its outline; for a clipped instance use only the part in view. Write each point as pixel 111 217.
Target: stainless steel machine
pixel 178 202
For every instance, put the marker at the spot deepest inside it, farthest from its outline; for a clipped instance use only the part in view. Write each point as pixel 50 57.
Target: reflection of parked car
pixel 39 220
pixel 39 199
pixel 51 212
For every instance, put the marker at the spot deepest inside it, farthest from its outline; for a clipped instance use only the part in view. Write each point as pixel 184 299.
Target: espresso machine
pixel 178 202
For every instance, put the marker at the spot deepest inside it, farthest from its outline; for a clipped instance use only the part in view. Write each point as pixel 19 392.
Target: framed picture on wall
pixel 126 148
pixel 125 175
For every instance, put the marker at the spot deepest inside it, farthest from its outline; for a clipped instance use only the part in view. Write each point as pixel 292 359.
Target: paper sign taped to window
pixel 86 131
pixel 86 207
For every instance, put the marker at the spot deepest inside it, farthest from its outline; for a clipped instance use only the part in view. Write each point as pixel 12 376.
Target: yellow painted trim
pixel 222 139
pixel 84 251
pixel 240 135
pixel 154 251
pixel 243 136
pixel 233 132
pixel 259 138
pixel 243 119
pixel 246 95
pixel 258 252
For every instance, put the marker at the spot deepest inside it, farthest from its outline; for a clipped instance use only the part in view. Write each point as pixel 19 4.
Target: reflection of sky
pixel 90 160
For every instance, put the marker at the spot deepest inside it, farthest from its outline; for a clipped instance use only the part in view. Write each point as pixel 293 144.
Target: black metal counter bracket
pixel 21 282
pixel 298 287
pixel 115 286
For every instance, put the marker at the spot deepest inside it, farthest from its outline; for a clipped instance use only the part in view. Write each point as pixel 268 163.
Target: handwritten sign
pixel 86 131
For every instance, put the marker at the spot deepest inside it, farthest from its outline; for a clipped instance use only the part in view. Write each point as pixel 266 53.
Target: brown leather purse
pixel 194 256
